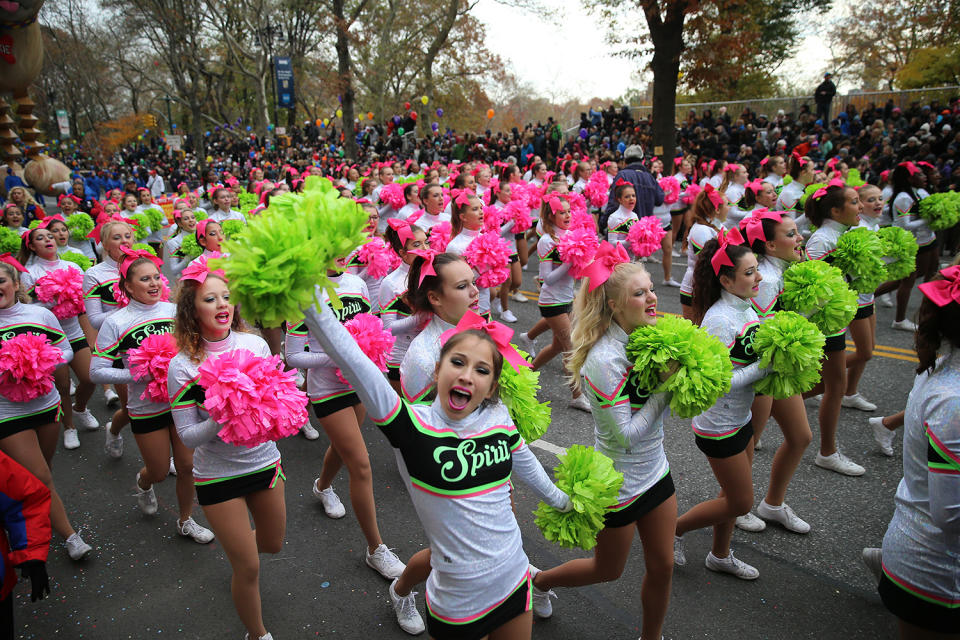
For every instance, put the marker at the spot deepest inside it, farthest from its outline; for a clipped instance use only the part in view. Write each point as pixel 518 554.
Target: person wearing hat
pixel 649 193
pixel 823 96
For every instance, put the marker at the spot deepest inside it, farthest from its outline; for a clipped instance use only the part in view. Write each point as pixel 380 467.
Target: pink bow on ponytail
pixel 500 334
pixel 753 225
pixel 721 258
pixel 131 255
pixel 199 269
pixel 604 262
pixel 426 269
pixel 822 191
pixel 461 197
pixel 49 220
pixel 943 292
pixel 13 262
pixel 402 227
pixel 756 186
pixel 716 198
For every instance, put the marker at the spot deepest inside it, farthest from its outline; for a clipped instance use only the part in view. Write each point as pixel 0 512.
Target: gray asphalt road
pixel 143 581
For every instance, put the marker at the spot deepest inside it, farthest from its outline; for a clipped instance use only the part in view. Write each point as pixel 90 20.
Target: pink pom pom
pixel 690 194
pixel 65 287
pixel 252 397
pixel 519 212
pixel 392 194
pixel 578 247
pixel 534 195
pixel 152 360
pixel 379 258
pixel 121 296
pixel 440 236
pixel 597 190
pixel 375 342
pixel 645 236
pixel 671 189
pixel 27 362
pixel 583 221
pixel 489 255
pixel 577 202
pixel 493 217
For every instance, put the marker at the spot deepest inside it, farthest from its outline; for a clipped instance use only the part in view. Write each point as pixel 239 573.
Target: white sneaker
pixel 526 344
pixel 857 401
pixel 269 636
pixel 173 468
pixel 496 306
pixel 516 296
pixel 904 325
pixel 526 267
pixel 677 254
pixel 872 557
pixel 146 498
pixel 751 523
pixel 73 388
pixel 406 609
pixel 85 419
pixel 113 444
pixel 784 515
pixel 679 557
pixel 839 463
pixel 77 549
pixel 385 562
pixel 70 439
pixel 111 397
pixel 309 432
pixel 818 398
pixel 671 283
pixel 885 300
pixel 330 501
pixel 580 403
pixel 542 607
pixel 731 565
pixel 190 529
pixel 655 259
pixel 507 316
pixel 882 435
pixel 757 445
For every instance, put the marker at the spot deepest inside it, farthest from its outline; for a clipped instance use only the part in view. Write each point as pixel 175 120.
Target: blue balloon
pixel 207 133
pixel 173 126
pixel 269 127
pixel 249 128
pixel 333 147
pixel 253 154
pixel 621 147
pixel 396 120
pixel 583 134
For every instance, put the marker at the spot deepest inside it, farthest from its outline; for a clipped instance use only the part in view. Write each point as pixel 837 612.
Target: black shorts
pixel 865 311
pixel 393 373
pixel 729 446
pixel 32 421
pixel 517 603
pixel 642 504
pixel 669 226
pixel 678 212
pixel 149 424
pixel 835 343
pixel 223 489
pixel 915 610
pixel 78 344
pixel 686 299
pixel 927 248
pixel 553 311
pixel 518 236
pixel 514 258
pixel 325 408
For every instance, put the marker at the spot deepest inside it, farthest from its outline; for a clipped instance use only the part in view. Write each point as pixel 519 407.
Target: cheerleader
pixel 833 209
pixel 337 406
pixel 726 279
pixel 466 224
pixel 412 198
pixel 510 177
pixel 734 182
pixel 13 218
pixel 775 168
pixel 29 430
pixel 920 578
pixel 155 238
pixel 709 211
pixel 68 207
pixel 431 196
pixel 209 235
pixel 510 290
pixel 908 180
pixel 61 235
pixel 186 221
pixel 628 428
pixel 620 221
pixel 406 240
pixel 479 585
pixel 221 212
pixel 150 420
pixel 801 174
pixel 233 483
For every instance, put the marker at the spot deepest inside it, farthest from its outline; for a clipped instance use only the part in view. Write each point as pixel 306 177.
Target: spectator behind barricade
pixel 649 193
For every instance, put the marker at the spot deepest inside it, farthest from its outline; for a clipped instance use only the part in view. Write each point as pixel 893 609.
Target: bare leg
pixel 863 332
pixel 792 418
pixel 417 571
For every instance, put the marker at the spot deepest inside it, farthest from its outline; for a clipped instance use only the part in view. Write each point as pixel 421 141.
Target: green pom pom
pixel 809 191
pixel 592 483
pixel 142 229
pixel 200 215
pixel 79 224
pixel 9 241
pixel 859 255
pixel 358 188
pixel 792 346
pixel 77 258
pixel 900 251
pixel 33 224
pixel 941 210
pixel 854 179
pixel 704 370
pixel 817 291
pixel 231 227
pixel 143 247
pixel 787 179
pixel 518 391
pixel 190 247
pixel 248 201
pixel 156 218
pixel 277 261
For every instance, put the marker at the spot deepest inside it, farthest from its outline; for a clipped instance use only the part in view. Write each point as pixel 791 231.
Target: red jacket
pixel 25 513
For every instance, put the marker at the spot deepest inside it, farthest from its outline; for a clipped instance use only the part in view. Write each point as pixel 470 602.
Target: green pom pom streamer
pixel 200 215
pixel 941 210
pixel 33 224
pixel 817 291
pixel 277 261
pixel 140 246
pixel 859 255
pixel 809 191
pixel 77 258
pixel 156 218
pixel 704 370
pixel 518 392
pixel 231 227
pixel 190 247
pixel 900 252
pixel 248 201
pixel 9 241
pixel 854 179
pixel 792 346
pixel 142 229
pixel 592 483
pixel 79 224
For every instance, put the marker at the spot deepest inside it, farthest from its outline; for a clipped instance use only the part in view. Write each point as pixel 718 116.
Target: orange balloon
pixel 319 122
pixel 489 114
pixel 369 115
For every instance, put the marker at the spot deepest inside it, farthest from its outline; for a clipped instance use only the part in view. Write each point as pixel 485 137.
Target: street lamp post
pixel 265 37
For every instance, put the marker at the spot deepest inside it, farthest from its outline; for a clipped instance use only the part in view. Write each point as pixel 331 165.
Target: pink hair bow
pixel 131 255
pixel 95 234
pixel 69 196
pixel 832 162
pixel 13 262
pixel 623 183
pixel 721 258
pixel 911 168
pixel 202 225
pixel 943 292
pixel 716 198
pixel 500 334
pixel 822 191
pixel 606 259
pixel 46 222
pixel 924 163
pixel 426 269
pixel 402 227
pixel 199 269
pixel 677 161
pixel 884 175
pixel 764 162
pixel 554 201
pixel 461 197
pixel 753 225
pixel 756 186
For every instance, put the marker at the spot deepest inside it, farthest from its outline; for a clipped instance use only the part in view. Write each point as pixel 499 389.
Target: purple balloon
pixel 396 120
pixel 439 113
pixel 435 126
pixel 583 134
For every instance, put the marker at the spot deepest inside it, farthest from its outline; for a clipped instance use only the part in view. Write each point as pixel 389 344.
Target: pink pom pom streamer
pixel 27 362
pixel 440 236
pixel 534 195
pixel 392 194
pixel 493 217
pixel 583 221
pixel 65 287
pixel 577 202
pixel 252 397
pixel 489 255
pixel 519 212
pixel 690 194
pixel 375 342
pixel 671 189
pixel 152 360
pixel 577 248
pixel 597 190
pixel 121 297
pixel 645 236
pixel 379 258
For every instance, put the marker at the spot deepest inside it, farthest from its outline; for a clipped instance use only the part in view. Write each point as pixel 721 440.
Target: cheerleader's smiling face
pixel 43 244
pixel 8 287
pixel 745 282
pixel 60 233
pixel 145 197
pixel 214 310
pixel 786 241
pixel 457 292
pixel 130 202
pixel 187 221
pixel 850 213
pixel 466 374
pixel 872 199
pixel 68 206
pixel 143 283
pixel 111 208
pixel 12 217
pixel 637 306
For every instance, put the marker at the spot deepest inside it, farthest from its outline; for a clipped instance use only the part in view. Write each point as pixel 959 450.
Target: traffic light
pixel 149 120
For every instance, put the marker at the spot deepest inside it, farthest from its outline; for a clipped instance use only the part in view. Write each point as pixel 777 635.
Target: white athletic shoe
pixel 882 435
pixel 784 515
pixel 111 397
pixel 173 468
pixel 679 557
pixel 885 300
pixel 269 636
pixel 731 565
pixel 385 562
pixel 495 306
pixel 872 557
pixel 757 445
pixel 516 296
pixel 751 523
pixel 580 403
pixel 300 379
pixel 839 463
pixel 406 609
pixel 309 432
pixel 671 283
pixel 677 254
pixel 507 316
pixel 330 501
pixel 113 445
pixel 904 325
pixel 857 401
pixel 73 388
pixel 542 607
pixel 525 343
pixel 77 549
pixel 85 419
pixel 190 529
pixel 70 439
pixel 146 498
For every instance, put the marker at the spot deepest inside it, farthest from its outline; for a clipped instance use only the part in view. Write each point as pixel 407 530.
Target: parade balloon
pixel 413 116
pixel 339 113
pixel 439 113
pixel 369 115
pixel 583 134
pixel 316 156
pixel 490 113
pixel 435 126
pixel 406 105
pixel 269 127
pixel 400 131
pixel 207 133
pixel 621 147
pixel 139 137
pixel 249 128
pixel 333 147
pixel 396 120
pixel 424 99
pixel 174 125
pixel 326 121
pixel 319 122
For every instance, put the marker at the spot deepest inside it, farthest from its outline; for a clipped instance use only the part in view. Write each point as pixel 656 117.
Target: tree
pixel 931 67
